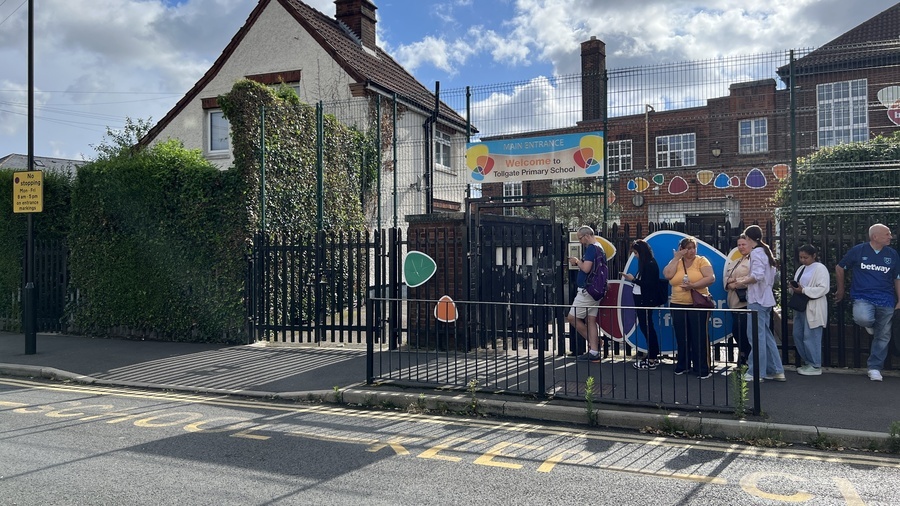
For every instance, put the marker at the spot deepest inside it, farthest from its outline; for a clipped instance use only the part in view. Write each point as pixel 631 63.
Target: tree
pixel 122 141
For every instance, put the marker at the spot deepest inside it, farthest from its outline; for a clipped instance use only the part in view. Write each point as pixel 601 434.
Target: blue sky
pixel 100 61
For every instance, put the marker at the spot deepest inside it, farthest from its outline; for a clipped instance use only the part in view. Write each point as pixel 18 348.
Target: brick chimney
pixel 593 80
pixel 359 16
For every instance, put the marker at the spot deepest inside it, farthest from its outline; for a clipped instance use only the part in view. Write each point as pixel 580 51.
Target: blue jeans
pixel 866 314
pixel 808 341
pixel 768 349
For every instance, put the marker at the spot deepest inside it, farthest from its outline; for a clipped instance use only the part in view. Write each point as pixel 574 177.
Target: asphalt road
pixel 76 444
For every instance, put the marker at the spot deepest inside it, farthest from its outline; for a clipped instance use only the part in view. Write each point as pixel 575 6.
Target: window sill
pixel 445 170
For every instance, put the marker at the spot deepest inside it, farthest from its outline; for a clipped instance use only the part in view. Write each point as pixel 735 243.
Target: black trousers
pixel 692 337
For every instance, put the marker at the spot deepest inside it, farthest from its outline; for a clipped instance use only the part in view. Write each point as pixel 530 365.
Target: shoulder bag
pixel 697 298
pixel 798 301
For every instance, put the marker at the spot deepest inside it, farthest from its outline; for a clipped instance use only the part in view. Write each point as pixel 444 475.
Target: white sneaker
pixel 808 370
pixel 749 377
pixel 870 330
pixel 777 377
pixel 875 375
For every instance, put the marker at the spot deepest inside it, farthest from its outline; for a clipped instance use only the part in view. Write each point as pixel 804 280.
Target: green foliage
pixel 51 224
pixel 290 161
pixel 122 142
pixel 848 178
pixel 590 388
pixel 739 391
pixel 157 243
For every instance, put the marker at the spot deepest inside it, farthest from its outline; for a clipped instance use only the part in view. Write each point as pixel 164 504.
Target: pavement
pixel 842 406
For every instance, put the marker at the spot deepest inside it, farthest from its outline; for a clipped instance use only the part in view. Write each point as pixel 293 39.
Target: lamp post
pixel 29 313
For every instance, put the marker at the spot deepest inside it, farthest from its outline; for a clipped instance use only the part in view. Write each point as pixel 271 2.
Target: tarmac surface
pixel 842 404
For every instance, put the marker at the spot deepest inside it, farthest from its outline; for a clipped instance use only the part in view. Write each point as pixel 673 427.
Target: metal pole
pixel 754 339
pixel 379 154
pixel 262 168
pixel 30 306
pixel 394 142
pixel 320 163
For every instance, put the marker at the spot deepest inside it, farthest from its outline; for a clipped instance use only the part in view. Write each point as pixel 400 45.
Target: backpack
pixel 597 279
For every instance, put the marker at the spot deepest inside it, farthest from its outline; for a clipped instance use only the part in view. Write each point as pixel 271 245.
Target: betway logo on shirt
pixel 873 267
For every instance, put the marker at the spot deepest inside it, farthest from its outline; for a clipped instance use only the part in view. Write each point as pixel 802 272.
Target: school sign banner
pixel 532 158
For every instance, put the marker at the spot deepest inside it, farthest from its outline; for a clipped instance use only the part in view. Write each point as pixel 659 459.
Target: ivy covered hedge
pixel 157 244
pixel 51 224
pixel 291 138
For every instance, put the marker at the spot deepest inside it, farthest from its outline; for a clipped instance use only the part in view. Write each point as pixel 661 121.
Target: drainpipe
pixel 647 110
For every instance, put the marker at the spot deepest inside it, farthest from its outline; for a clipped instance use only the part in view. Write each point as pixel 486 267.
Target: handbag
pixel 701 301
pixel 798 301
pixel 697 298
pixel 741 294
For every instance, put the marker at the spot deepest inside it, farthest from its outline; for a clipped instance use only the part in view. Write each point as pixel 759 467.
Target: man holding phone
pixel 583 313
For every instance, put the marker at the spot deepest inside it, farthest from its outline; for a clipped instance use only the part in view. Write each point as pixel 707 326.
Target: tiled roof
pixel 43 163
pixel 874 42
pixel 371 67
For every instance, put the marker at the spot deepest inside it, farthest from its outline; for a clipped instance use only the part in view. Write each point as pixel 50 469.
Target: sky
pixel 98 62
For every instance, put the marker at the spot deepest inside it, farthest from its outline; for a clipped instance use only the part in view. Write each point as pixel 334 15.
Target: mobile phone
pixel 794 283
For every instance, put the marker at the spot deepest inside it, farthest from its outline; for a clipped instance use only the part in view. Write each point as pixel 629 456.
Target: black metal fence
pixel 51 278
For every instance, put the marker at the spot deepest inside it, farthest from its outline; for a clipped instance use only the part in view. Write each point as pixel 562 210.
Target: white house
pixel 336 61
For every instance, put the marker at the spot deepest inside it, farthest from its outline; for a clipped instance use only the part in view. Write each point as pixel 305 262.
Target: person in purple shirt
pixel 875 290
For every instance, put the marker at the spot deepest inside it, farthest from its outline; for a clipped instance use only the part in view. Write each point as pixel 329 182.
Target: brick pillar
pixel 593 84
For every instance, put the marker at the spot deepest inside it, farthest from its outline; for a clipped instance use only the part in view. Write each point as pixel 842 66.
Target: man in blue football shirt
pixel 875 290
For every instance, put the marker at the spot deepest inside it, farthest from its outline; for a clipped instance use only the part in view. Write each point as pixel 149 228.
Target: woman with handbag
pixel 690 275
pixel 812 282
pixel 761 299
pixel 646 296
pixel 737 298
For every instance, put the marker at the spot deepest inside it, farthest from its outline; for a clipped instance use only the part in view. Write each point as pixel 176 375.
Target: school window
pixel 842 113
pixel 219 130
pixel 442 152
pixel 676 151
pixel 510 193
pixel 753 136
pixel 619 155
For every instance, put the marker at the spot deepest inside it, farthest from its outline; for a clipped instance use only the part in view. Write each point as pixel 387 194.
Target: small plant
pixel 473 403
pixel 338 395
pixel 765 438
pixel 739 392
pixel 824 442
pixel 589 387
pixel 420 406
pixel 893 444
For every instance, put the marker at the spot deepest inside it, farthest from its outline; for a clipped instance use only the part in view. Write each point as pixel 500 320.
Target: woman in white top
pixel 811 279
pixel 761 299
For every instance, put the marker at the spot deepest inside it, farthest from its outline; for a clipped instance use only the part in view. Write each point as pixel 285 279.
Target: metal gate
pixel 312 288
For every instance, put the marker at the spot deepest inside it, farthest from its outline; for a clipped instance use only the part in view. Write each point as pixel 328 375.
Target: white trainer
pixel 870 330
pixel 875 375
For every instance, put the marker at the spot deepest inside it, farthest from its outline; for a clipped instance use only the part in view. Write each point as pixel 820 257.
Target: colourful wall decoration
pixel 418 268
pixel 704 177
pixel 677 185
pixel 781 171
pixel 756 179
pixel 445 310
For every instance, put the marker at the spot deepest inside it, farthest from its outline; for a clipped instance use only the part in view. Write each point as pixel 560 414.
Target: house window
pixel 753 136
pixel 619 156
pixel 442 150
pixel 219 130
pixel 842 113
pixel 676 151
pixel 510 192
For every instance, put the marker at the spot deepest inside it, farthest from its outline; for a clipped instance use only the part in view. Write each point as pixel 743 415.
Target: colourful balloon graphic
pixel 479 161
pixel 418 268
pixel 631 186
pixel 641 184
pixel 445 310
pixel 722 181
pixel 756 179
pixel 735 181
pixel 781 171
pixel 590 155
pixel 704 176
pixel 611 198
pixel 678 185
pixel 608 247
pixel 663 243
pixel 659 179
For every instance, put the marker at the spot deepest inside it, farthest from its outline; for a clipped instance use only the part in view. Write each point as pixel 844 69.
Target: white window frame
pixel 842 112
pixel 753 136
pixel 212 129
pixel 678 150
pixel 619 154
pixel 511 190
pixel 443 151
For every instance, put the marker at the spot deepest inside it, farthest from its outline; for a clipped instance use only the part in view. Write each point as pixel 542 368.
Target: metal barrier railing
pixel 530 349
